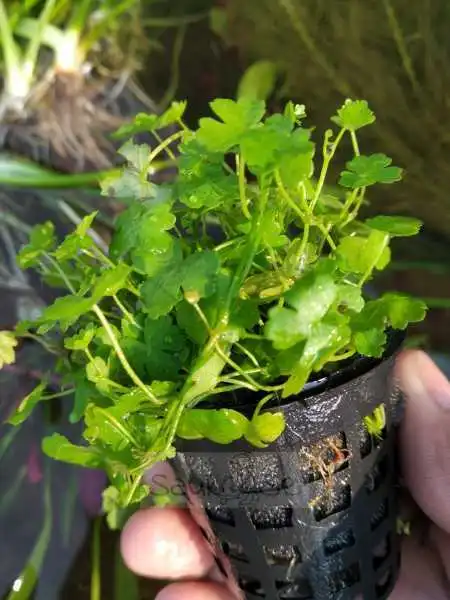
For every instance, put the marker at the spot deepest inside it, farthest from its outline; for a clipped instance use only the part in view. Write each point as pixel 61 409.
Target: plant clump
pixel 246 273
pixel 65 67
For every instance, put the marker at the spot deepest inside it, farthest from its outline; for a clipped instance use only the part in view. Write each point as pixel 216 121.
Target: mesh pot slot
pixel 381 552
pixel 235 551
pixel 294 591
pixel 275 517
pixel 377 475
pixel 384 584
pixel 335 499
pixel 369 443
pixel 337 541
pixel 219 513
pixel 253 474
pixel 346 578
pixel 286 556
pixel 252 586
pixel 380 515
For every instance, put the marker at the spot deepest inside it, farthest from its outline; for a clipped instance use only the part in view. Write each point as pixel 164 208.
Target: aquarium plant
pixel 229 328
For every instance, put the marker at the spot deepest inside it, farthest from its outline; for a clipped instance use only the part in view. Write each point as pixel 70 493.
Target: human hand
pixel 167 544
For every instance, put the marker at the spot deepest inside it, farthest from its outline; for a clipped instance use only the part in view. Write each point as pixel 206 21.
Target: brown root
pixel 321 462
pixel 68 123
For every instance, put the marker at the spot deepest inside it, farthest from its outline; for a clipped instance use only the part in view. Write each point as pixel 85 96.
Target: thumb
pixel 425 435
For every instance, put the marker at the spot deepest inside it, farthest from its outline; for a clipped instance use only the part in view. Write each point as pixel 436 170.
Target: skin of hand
pixel 164 543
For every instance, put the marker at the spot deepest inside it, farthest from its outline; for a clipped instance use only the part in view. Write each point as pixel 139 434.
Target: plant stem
pixel 41 341
pixel 126 312
pixel 202 316
pixel 59 394
pixel 11 53
pixel 172 138
pixel 79 15
pixel 249 253
pixel 327 157
pixel 32 53
pixel 96 549
pixel 243 374
pixel 301 212
pixel 248 354
pixel 121 356
pixel 343 356
pixel 355 143
pixel 158 138
pixel 240 164
pixel 374 261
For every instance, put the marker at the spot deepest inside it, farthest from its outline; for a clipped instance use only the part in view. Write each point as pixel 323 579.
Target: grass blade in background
pixel 96 576
pixel 22 173
pixel 25 583
pixel 126 586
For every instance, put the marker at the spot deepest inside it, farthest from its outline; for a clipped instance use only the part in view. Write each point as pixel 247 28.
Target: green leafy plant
pixel 242 274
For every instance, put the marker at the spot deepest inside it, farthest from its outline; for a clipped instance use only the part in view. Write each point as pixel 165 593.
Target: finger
pixel 193 591
pixel 421 575
pixel 165 543
pixel 425 435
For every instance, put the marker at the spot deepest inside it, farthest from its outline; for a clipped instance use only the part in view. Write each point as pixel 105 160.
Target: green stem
pixel 63 275
pixel 355 143
pixel 301 212
pixel 59 394
pixel 243 374
pixel 305 238
pixel 122 358
pixel 172 138
pixel 248 354
pixel 289 200
pixel 240 164
pixel 343 356
pixel 202 316
pixel 11 51
pixel 348 203
pixel 327 157
pixel 117 425
pixel 367 274
pixel 158 138
pixel 126 312
pixel 239 384
pixel 35 43
pixel 249 253
pixel 80 15
pixel 133 489
pixel 41 341
pixel 262 403
pixel 96 549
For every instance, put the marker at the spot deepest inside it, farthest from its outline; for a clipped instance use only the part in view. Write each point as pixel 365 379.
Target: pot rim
pixel 244 400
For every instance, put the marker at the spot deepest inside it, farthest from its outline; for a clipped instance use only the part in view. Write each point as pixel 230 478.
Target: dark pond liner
pixel 312 517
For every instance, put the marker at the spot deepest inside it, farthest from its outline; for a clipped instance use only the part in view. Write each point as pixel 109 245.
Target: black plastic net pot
pixel 312 517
